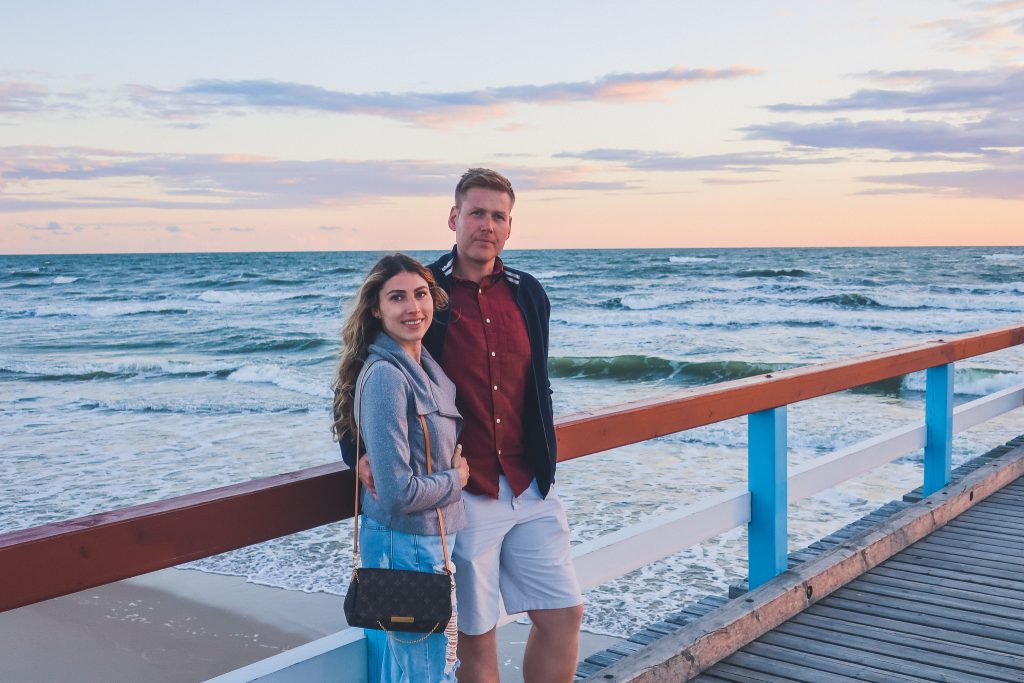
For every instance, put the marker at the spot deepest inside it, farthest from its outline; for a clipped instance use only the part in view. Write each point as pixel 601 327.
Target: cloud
pixel 733 181
pixel 915 136
pixel 207 181
pixel 952 117
pixel 172 228
pixel 992 28
pixel 19 97
pixel 1005 182
pixel 221 96
pixel 934 91
pixel 52 227
pixel 745 162
pixel 1003 6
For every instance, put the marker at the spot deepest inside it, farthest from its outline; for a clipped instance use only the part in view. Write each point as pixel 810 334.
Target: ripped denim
pixel 389 659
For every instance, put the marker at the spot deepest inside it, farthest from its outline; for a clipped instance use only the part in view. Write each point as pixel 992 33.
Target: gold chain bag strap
pixel 398 599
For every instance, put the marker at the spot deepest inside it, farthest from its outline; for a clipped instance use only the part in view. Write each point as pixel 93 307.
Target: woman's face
pixel 406 309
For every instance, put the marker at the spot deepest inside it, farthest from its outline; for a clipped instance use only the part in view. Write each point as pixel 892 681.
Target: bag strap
pixel 437 509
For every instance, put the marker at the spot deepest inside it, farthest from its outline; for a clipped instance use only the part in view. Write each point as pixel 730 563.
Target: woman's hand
pixel 366 475
pixel 461 465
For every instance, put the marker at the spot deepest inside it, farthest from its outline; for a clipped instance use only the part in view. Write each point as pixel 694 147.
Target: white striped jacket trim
pixel 449 265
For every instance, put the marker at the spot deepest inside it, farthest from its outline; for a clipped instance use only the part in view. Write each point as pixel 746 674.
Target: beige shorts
pixel 518 546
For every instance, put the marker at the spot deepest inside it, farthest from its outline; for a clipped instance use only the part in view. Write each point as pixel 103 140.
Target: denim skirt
pixel 408 657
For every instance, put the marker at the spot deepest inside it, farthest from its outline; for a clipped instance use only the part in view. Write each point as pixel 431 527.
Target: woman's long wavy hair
pixel 362 326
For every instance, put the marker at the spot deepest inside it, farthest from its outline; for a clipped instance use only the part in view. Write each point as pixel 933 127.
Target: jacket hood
pixel 431 388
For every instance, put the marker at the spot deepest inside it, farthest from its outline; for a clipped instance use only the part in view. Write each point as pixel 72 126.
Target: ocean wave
pixel 690 259
pixel 60 372
pixel 207 283
pixel 1003 257
pixel 640 368
pixel 247 345
pixel 30 273
pixel 110 310
pixel 545 275
pixel 279 377
pixel 970 381
pixel 646 301
pixel 287 282
pixel 190 407
pixel 221 297
pixel 26 284
pixel 649 368
pixel 768 272
pixel 614 304
pixel 64 280
pixel 852 301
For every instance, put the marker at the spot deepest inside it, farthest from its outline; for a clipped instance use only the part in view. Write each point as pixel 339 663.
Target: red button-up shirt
pixel 487 356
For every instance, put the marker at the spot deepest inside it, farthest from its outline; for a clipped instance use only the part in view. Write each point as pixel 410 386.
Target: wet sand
pixel 182 625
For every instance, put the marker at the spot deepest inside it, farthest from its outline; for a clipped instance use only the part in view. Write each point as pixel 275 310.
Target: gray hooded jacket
pixel 391 393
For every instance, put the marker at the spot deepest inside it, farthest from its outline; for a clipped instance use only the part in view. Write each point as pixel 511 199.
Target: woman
pixel 387 379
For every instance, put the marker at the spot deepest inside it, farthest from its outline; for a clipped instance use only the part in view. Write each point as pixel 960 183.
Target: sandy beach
pixel 182 625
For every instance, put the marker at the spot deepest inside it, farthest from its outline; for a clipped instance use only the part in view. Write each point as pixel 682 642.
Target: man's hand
pixel 462 466
pixel 366 475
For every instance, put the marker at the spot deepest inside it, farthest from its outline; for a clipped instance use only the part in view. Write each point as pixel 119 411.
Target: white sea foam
pixel 970 381
pixel 544 275
pixel 1003 257
pixel 235 298
pixel 280 377
pixel 689 259
pixel 64 280
pixel 642 301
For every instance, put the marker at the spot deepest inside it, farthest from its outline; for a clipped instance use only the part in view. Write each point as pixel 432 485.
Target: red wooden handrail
pixel 56 559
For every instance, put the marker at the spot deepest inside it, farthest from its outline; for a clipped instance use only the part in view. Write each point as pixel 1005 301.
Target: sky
pixel 304 126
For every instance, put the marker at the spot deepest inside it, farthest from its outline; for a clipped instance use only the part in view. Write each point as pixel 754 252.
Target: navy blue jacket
pixel 538 417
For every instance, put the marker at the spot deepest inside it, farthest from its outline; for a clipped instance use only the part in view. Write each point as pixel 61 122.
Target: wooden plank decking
pixel 948 608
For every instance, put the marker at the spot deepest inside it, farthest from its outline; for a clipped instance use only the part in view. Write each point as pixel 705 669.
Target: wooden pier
pixel 934 592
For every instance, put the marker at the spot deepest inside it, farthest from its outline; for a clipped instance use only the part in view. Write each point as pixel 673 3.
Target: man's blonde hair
pixel 485 178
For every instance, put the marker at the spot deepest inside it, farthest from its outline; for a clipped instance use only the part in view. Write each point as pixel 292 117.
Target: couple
pixel 464 344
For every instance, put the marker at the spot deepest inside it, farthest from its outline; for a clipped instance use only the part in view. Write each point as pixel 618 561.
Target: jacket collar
pixel 432 390
pixel 447 267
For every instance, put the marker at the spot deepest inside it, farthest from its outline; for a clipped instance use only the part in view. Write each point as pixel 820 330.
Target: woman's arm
pixel 384 424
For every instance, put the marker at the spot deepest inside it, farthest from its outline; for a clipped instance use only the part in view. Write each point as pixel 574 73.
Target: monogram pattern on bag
pixel 378 595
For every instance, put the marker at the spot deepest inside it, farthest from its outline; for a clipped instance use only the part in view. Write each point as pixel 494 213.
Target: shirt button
pixel 492 353
pixel 498 420
pixel 495 387
pixel 487 320
pixel 479 291
pixel 499 451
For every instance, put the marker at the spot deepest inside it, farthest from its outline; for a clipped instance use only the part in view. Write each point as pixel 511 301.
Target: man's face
pixel 481 224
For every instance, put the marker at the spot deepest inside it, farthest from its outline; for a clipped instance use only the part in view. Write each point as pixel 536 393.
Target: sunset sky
pixel 252 126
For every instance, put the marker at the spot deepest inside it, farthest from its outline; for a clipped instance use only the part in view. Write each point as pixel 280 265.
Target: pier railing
pixel 64 557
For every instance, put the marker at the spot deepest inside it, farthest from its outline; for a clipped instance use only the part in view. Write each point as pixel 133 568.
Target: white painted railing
pixel 616 554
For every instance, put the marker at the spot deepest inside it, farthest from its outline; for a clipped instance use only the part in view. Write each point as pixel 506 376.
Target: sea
pixel 134 378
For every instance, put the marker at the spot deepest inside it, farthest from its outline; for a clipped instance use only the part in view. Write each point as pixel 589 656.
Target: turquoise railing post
pixel 766 480
pixel 938 418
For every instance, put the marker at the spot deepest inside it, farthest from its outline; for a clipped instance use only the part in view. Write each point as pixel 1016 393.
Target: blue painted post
pixel 938 418
pixel 766 480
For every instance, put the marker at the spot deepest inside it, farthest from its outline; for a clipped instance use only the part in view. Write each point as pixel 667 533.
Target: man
pixel 492 341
